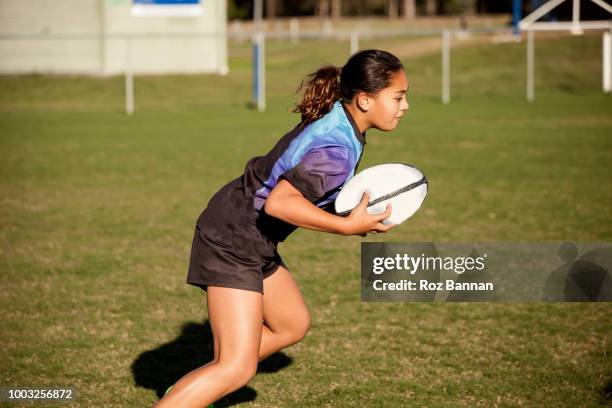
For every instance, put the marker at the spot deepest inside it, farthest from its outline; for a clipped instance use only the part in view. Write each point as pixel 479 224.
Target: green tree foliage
pixel 459 6
pixel 243 9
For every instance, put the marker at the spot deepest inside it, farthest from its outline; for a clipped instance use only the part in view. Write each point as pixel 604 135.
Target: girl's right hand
pixel 360 222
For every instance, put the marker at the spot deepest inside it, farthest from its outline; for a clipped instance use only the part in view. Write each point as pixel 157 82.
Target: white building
pixel 102 37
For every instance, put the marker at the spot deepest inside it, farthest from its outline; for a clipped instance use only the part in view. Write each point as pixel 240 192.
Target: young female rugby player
pixel 255 307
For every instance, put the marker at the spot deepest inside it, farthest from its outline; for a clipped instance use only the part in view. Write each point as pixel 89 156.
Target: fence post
pixel 259 71
pixel 530 66
pixel 607 62
pixel 445 67
pixel 294 28
pixel 327 28
pixel 354 42
pixel 129 78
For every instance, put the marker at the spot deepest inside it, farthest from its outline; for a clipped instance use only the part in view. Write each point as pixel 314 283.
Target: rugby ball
pixel 404 186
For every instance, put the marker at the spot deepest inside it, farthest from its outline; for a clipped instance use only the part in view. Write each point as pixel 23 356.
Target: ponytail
pixel 367 71
pixel 320 93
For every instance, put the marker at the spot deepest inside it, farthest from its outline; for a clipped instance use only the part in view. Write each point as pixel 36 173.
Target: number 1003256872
pixel 15 394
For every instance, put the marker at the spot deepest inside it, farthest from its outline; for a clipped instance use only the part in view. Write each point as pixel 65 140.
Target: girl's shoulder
pixel 333 128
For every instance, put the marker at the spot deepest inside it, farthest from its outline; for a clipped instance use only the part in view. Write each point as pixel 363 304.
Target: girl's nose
pixel 404 105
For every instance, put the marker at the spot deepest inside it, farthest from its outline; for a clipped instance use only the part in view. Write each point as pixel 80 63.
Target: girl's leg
pixel 286 316
pixel 236 320
pixel 286 322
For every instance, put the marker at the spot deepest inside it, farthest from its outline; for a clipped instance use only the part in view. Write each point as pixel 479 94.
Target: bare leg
pixel 286 316
pixel 287 321
pixel 236 320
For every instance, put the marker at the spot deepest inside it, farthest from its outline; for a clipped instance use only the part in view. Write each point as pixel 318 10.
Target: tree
pixel 431 7
pixel 392 8
pixel 322 10
pixel 463 8
pixel 336 9
pixel 271 10
pixel 409 10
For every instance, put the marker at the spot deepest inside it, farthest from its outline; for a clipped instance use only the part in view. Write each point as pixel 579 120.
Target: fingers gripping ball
pixel 402 185
pixel 170 387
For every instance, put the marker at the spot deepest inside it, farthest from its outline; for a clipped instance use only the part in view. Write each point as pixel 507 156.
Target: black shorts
pixel 233 245
pixel 215 263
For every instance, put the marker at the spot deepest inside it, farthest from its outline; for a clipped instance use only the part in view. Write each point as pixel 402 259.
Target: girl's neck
pixel 361 122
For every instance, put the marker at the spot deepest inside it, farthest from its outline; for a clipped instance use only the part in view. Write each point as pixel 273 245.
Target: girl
pixel 255 307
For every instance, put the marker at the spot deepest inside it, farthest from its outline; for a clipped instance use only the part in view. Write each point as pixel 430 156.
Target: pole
pixel 445 67
pixel 576 30
pixel 294 30
pixel 530 66
pixel 327 29
pixel 129 80
pixel 516 16
pixel 261 101
pixel 257 14
pixel 607 62
pixel 259 87
pixel 354 42
pixel 259 77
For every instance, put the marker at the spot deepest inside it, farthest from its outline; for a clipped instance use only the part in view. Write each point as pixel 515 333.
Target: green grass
pixel 97 213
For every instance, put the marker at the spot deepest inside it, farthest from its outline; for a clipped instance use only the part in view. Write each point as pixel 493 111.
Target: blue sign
pixel 167 2
pixel 166 8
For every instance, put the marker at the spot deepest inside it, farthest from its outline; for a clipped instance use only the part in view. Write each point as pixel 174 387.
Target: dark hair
pixel 368 71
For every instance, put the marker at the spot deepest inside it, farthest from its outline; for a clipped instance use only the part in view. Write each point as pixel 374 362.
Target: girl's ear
pixel 363 101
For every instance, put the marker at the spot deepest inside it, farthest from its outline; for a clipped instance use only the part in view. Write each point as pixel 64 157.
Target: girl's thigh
pixel 235 317
pixel 284 308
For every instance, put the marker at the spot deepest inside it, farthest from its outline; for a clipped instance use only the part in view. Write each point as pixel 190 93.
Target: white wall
pixel 42 18
pixel 86 37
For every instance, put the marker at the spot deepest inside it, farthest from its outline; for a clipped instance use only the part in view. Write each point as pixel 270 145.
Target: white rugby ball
pixel 401 184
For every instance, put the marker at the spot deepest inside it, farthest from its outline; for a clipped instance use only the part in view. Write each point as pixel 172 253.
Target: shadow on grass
pixel 606 393
pixel 160 368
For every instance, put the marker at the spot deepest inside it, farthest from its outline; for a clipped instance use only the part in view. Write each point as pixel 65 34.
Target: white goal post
pixel 576 27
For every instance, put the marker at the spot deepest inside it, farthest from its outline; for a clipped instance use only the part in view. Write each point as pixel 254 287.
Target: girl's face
pixel 389 105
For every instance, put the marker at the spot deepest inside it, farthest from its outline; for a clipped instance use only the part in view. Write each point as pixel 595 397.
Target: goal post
pixel 530 24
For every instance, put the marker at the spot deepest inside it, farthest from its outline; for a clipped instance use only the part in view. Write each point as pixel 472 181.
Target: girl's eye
pixel 398 99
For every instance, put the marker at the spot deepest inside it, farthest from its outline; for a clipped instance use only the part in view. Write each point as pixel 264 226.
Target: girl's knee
pixel 239 370
pixel 304 327
pixel 299 329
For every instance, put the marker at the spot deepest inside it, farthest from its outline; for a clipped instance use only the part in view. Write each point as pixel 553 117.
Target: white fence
pixel 294 34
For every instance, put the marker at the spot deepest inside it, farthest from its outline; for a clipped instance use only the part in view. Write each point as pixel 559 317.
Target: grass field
pixel 97 212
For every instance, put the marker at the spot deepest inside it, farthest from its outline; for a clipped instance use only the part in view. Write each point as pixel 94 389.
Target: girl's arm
pixel 286 203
